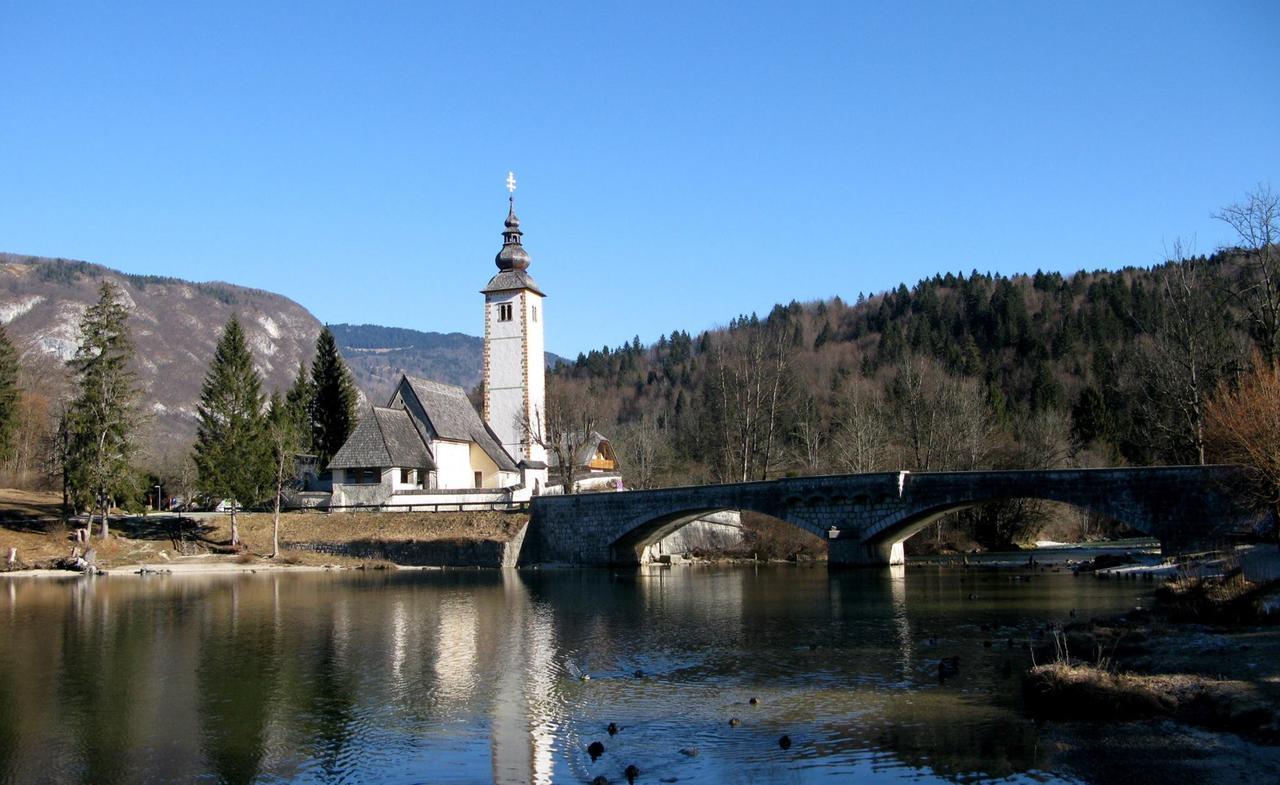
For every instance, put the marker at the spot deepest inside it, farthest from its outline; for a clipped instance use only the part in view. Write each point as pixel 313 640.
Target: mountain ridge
pixel 175 324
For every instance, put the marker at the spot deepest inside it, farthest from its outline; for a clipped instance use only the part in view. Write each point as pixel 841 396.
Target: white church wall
pixel 347 493
pixel 414 479
pixel 453 464
pixel 481 462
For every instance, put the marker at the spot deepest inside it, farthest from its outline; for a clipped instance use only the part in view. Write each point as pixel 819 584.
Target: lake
pixel 476 676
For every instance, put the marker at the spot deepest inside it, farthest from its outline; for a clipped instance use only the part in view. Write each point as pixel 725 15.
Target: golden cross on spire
pixel 511 182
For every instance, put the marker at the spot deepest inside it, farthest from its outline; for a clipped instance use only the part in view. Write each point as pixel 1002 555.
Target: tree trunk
pixel 275 526
pixel 235 527
pixel 105 532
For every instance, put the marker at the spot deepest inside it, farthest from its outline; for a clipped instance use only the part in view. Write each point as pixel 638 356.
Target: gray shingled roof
pixel 453 417
pixel 511 279
pixel 384 438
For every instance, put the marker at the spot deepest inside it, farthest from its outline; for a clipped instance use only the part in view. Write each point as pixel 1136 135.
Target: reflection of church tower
pixel 514 361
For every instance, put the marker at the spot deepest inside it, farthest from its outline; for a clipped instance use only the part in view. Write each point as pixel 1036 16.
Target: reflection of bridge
pixel 866 517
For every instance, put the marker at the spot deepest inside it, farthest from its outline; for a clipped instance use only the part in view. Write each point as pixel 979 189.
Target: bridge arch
pixel 638 534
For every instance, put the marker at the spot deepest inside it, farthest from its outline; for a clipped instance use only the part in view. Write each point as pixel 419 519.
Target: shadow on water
pixel 463 676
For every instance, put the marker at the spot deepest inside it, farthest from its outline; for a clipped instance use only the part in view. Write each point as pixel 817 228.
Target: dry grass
pixel 1064 690
pixel 20 504
pixel 1228 599
pixel 140 541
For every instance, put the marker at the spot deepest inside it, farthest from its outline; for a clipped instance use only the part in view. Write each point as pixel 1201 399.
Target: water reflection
pixel 471 676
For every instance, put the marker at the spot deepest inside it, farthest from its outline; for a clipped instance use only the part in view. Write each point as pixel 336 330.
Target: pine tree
pixel 101 418
pixel 334 399
pixel 301 396
pixel 8 394
pixel 232 456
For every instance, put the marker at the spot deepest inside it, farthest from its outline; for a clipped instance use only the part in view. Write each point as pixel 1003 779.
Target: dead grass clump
pixel 1062 690
pixel 1076 691
pixel 1227 599
pixel 246 558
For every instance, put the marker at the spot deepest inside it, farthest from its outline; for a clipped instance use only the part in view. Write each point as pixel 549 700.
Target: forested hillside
pixel 961 371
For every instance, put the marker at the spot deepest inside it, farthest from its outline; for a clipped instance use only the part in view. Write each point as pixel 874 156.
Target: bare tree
pixel 645 451
pixel 1188 349
pixel 750 381
pixel 285 432
pixel 42 383
pixel 1256 221
pixel 861 438
pixel 1044 441
pixel 1243 427
pixel 944 421
pixel 810 433
pixel 565 426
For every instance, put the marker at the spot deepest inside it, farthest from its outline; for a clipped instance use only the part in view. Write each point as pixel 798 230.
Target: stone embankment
pixel 424 553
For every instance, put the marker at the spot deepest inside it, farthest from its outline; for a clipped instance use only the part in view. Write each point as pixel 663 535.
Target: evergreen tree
pixel 334 399
pixel 232 456
pixel 301 397
pixel 8 394
pixel 101 418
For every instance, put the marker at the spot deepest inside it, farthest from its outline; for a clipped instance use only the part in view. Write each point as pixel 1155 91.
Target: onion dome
pixel 513 256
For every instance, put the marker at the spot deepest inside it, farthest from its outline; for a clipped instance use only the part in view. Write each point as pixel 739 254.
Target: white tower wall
pixel 515 380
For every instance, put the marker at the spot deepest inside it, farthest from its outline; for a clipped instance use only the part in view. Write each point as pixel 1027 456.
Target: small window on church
pixel 504 312
pixel 535 312
pixel 406 476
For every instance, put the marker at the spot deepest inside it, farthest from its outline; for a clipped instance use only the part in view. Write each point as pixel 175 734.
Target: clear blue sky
pixel 678 163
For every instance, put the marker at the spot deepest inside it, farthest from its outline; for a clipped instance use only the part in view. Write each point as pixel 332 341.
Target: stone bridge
pixel 866 517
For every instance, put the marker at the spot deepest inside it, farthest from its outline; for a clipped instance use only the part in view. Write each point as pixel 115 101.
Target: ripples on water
pixel 454 677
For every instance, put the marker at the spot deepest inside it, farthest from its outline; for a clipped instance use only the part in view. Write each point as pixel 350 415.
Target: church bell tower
pixel 514 359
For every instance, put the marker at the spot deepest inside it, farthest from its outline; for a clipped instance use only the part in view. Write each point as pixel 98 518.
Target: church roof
pixel 453 417
pixel 508 280
pixel 384 438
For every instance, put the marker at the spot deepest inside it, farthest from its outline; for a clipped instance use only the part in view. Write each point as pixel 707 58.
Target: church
pixel 429 445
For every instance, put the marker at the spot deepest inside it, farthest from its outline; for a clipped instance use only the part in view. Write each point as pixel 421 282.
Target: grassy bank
pixel 41 541
pixel 1207 655
pixel 1077 691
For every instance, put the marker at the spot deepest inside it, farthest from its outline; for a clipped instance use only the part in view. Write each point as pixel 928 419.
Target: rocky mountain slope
pixel 176 324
